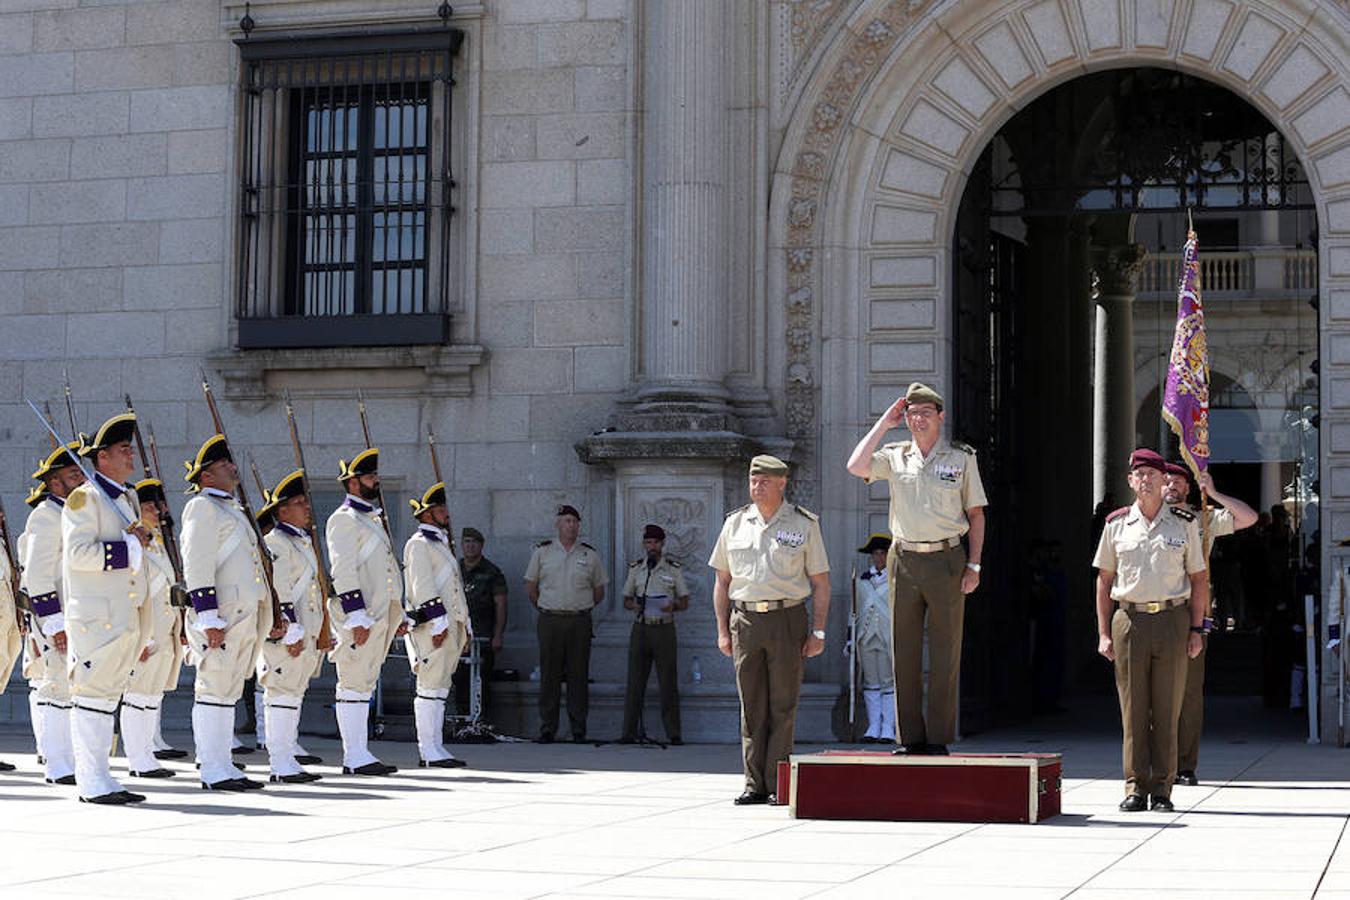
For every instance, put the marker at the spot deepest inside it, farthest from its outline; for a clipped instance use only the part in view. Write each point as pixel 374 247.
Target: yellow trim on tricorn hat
pixel 367 462
pixel 119 428
pixel 289 487
pixel 214 450
pixel 60 457
pixel 878 540
pixel 150 490
pixel 434 496
pixel 36 495
pixel 266 513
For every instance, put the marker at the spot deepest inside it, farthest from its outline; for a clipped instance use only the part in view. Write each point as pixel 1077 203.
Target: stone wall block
pixel 903 271
pixel 528 184
pixel 37 73
pixel 194 331
pixel 79 29
pixel 73 290
pixel 507 324
pixel 16 118
pixel 963 87
pixel 124 155
pixel 32 337
pixel 602 181
pixel 934 128
pixel 118 331
pixel 1298 72
pixel 1152 22
pixel 888 314
pixel 176 197
pixel 1255 41
pixel 29 248
pixel 516 464
pixel 1328 116
pixel 128 67
pixel 518 11
pixel 127 244
pixel 601 274
pixel 1205 27
pixel 508 138
pixel 906 172
pixel 16 34
pixel 583 136
pixel 76 115
pixel 893 225
pixel 575 323
pixel 901 357
pixel 578 228
pixel 173 22
pixel 68 202
pixel 203 63
pixel 504 231
pixel 582 44
pixel 601 88
pixel 1050 32
pixel 180 109
pixel 190 241
pixel 198 152
pixel 601 368
pixel 534 277
pixel 531 371
pixel 508 47
pixel 1101 22
pixel 527 91
pixel 172 287
pixel 1003 53
pixel 13 205
pixel 569 418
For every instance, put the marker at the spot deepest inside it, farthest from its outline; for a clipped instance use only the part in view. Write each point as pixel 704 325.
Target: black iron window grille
pixel 346 190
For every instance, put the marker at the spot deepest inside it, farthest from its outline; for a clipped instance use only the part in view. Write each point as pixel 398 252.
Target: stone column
pixel 1271 444
pixel 684 274
pixel 1114 404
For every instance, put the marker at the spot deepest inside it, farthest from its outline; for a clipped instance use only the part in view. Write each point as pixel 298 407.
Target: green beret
pixel 922 393
pixel 764 464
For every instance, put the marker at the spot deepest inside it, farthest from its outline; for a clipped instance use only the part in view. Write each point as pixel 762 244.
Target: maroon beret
pixel 654 532
pixel 1178 469
pixel 1145 458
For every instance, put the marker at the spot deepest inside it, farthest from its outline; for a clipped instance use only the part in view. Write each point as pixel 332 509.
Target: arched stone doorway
pixel 876 154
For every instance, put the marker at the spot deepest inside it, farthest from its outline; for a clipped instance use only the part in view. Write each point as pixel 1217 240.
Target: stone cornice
pixel 440 371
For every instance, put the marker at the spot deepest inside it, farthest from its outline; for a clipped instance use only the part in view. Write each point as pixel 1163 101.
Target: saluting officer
pixel 223 574
pixel 874 642
pixel 156 669
pixel 655 590
pixel 565 580
pixel 44 651
pixel 937 498
pixel 769 558
pixel 1230 516
pixel 286 667
pixel 440 622
pixel 368 610
pixel 104 570
pixel 1151 587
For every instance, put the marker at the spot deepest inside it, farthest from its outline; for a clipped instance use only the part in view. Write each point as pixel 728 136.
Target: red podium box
pixel 965 787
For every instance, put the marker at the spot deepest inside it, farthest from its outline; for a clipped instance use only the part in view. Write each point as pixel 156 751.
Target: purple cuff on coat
pixel 115 555
pixel 288 610
pixel 352 601
pixel 428 611
pixel 1333 631
pixel 46 605
pixel 203 599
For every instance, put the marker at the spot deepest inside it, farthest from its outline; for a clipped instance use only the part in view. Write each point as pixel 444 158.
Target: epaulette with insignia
pixel 806 512
pixel 544 543
pixel 962 446
pixel 1182 513
pixel 77 498
pixel 1117 514
pixel 587 546
pixel 737 509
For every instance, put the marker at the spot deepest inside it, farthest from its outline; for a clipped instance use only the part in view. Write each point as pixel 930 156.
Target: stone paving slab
pixel 611 821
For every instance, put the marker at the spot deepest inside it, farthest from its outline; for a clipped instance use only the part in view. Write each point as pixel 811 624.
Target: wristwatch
pixel 1197 629
pixel 974 567
pixel 818 635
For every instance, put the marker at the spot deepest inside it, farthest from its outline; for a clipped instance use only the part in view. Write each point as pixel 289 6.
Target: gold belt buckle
pixel 1154 607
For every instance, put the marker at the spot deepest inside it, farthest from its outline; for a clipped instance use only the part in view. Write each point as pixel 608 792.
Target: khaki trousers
pixel 650 644
pixel 767 650
pixel 927 585
pixel 1192 718
pixel 1150 671
pixel 564 650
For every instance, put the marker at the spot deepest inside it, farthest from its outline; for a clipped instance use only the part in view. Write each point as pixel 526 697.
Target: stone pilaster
pixel 1114 406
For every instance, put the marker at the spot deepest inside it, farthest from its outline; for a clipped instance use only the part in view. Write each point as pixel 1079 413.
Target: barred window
pixel 346 190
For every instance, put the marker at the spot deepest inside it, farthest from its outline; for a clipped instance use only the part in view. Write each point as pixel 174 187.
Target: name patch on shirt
pixel 1175 542
pixel 949 473
pixel 790 538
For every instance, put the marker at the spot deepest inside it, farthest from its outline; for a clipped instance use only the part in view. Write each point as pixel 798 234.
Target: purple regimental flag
pixel 1186 401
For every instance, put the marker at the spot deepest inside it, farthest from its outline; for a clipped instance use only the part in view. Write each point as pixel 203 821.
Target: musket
pixel 278 620
pixel 320 567
pixel 853 654
pixel 47 406
pixel 165 514
pixel 258 479
pixel 436 471
pixel 70 404
pixel 132 523
pixel 365 431
pixel 21 604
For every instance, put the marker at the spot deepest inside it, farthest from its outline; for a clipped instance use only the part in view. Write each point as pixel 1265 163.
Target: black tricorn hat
pixel 60 457
pixel 151 490
pixel 434 496
pixel 879 540
pixel 214 450
pixel 288 488
pixel 367 462
pixel 119 428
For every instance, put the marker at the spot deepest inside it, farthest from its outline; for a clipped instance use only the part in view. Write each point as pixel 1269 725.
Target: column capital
pixel 1116 267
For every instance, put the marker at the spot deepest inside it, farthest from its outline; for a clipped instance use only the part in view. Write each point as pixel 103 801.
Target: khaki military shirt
pixel 770 560
pixel 567 579
pixel 929 496
pixel 660 584
pixel 1151 560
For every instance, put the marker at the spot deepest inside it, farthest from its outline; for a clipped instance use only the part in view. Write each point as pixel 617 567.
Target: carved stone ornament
pixel 683 521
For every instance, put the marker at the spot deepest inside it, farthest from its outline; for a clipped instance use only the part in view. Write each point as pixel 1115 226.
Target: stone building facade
pixel 683 232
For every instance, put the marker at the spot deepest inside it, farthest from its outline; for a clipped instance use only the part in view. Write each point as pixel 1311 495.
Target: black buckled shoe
pixel 6 767
pixel 910 750
pixel 451 763
pixel 1134 803
pixel 309 759
pixel 132 798
pixel 64 779
pixel 171 753
pixel 241 751
pixel 232 785
pixel 751 798
pixel 1187 778
pixel 153 773
pixel 1161 804
pixel 116 798
pixel 373 768
pixel 297 778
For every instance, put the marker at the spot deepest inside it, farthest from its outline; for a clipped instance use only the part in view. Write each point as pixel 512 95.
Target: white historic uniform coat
pixel 369 590
pixel 40 562
pixel 105 587
pixel 10 641
pixel 159 673
pixel 874 630
pixel 295 575
pixel 223 574
pixel 436 604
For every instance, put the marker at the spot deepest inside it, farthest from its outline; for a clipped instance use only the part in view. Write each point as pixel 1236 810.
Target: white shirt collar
pixel 217 492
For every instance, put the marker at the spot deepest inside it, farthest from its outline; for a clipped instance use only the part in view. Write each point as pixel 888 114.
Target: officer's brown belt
pixel 929 546
pixel 657 620
pixel 760 606
pixel 1155 606
pixel 565 612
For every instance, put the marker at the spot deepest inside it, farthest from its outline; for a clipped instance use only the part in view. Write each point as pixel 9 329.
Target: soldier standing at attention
pixel 565 580
pixel 368 610
pixel 1151 587
pixel 156 669
pixel 937 497
pixel 104 570
pixel 286 667
pixel 768 559
pixel 223 574
pixel 485 592
pixel 440 623
pixel 874 642
pixel 1232 515
pixel 44 652
pixel 655 590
